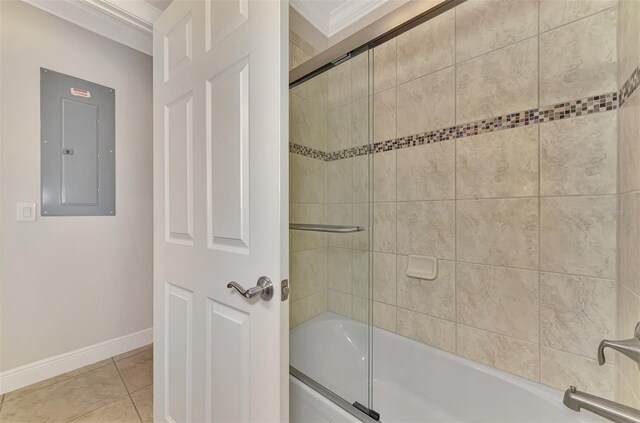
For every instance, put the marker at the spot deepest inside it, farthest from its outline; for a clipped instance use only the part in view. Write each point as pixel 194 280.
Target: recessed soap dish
pixel 422 267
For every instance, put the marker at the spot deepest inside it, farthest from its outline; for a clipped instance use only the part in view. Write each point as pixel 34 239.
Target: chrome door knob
pixel 264 289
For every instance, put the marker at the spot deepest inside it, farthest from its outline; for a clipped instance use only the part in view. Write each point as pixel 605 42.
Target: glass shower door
pixel 330 237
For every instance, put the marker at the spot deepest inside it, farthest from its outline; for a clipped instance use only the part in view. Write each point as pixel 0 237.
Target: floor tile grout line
pixel 111 361
pixel 120 374
pixel 133 355
pixel 125 384
pixel 97 408
pixel 135 407
pixel 140 389
pixel 53 384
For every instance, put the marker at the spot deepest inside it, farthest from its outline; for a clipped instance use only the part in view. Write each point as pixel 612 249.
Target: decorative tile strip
pixel 570 109
pixel 630 86
pixel 361 150
pixel 585 106
pixel 307 151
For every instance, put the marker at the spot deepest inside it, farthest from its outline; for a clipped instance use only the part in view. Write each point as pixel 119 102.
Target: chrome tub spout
pixel 577 400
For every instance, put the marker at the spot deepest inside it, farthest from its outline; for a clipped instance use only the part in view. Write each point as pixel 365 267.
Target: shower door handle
pixel 264 289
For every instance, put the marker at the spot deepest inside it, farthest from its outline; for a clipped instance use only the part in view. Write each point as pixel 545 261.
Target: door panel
pixel 178 47
pixel 178 142
pixel 178 350
pixel 228 157
pixel 224 17
pixel 228 376
pixel 221 210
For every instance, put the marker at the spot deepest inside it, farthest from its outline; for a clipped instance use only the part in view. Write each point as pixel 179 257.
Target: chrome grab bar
pixel 325 228
pixel 577 400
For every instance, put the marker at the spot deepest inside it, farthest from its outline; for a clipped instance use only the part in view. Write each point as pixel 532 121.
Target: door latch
pixel 285 290
pixel 67 151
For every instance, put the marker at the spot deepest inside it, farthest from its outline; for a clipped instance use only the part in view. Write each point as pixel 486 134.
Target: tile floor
pixel 118 389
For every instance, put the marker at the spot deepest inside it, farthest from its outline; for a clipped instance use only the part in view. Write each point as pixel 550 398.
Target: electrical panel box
pixel 77 147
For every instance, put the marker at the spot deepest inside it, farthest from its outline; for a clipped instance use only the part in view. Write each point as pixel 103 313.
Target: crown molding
pixel 138 14
pixel 344 15
pixel 126 22
pixel 313 14
pixel 351 11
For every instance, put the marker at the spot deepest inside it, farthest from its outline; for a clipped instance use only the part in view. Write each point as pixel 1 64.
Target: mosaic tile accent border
pixel 630 86
pixel 308 151
pixel 570 109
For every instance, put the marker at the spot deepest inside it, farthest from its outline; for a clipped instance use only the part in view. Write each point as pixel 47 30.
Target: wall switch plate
pixel 26 212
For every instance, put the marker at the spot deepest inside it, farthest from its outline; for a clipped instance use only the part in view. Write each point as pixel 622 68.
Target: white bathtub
pixel 412 381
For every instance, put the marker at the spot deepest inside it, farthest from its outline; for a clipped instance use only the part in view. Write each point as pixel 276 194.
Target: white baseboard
pixel 28 374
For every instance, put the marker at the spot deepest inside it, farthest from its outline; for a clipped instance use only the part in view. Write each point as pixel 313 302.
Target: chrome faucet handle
pixel 628 347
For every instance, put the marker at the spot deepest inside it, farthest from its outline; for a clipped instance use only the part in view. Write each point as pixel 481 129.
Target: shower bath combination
pixel 453 252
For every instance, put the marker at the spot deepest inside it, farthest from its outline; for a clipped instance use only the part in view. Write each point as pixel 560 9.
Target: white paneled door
pixel 220 211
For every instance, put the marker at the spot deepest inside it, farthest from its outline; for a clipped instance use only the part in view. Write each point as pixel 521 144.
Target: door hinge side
pixel 284 290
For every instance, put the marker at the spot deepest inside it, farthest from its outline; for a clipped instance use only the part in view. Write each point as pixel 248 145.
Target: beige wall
pixel 522 220
pixel 70 282
pixel 629 197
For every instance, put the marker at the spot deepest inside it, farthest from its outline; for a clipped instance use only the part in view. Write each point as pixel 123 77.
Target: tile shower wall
pixel 347 189
pixel 519 211
pixel 308 131
pixel 520 219
pixel 629 194
pixel 308 250
pixel 330 271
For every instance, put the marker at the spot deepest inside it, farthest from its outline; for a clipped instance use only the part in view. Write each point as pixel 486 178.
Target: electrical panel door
pixel 77 146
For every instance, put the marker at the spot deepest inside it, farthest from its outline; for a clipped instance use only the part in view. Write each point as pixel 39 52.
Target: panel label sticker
pixel 79 92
